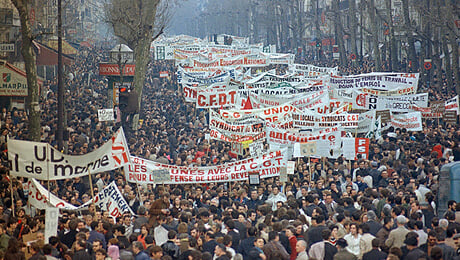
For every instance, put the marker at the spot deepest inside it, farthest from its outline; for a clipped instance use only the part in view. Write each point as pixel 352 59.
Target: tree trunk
pixel 339 33
pixel 452 37
pixel 448 67
pixel 412 56
pixel 33 95
pixel 393 48
pixel 375 35
pixel 352 27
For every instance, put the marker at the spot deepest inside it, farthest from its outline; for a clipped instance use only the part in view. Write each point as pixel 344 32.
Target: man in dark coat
pixel 80 251
pixel 375 253
pixel 159 207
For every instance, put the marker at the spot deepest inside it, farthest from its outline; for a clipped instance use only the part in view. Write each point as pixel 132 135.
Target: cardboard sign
pixel 105 115
pixel 161 176
pixel 237 148
pixel 308 149
pixel 256 148
pixel 283 174
pixel 450 117
pixel 164 74
pixel 384 115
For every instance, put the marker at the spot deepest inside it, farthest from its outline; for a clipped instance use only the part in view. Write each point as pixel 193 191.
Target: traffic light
pixel 128 101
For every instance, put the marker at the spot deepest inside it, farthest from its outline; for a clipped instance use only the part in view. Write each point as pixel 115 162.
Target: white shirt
pixel 353 243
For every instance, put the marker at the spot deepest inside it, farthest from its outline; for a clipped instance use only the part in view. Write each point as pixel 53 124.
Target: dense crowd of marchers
pixel 383 207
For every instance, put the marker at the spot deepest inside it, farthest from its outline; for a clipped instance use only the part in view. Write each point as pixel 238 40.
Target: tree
pixel 27 51
pixel 138 23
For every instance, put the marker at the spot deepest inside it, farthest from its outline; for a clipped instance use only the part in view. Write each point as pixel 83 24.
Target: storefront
pixel 13 86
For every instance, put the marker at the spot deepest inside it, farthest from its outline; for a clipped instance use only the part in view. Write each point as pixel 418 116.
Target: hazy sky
pixel 187 10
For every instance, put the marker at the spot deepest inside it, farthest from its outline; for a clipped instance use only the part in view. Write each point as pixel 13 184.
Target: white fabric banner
pixel 109 199
pixel 310 119
pixel 271 114
pixel 38 197
pixel 366 122
pixel 410 121
pixel 42 161
pixel 376 80
pixel 246 127
pixel 289 137
pixel 268 165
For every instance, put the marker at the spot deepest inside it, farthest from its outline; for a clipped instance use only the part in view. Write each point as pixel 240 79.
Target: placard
pixel 51 222
pixel 384 116
pixel 237 148
pixel 450 117
pixel 161 176
pixel 308 149
pixel 256 148
pixel 290 167
pixel 254 178
pixel 283 174
pixel 105 115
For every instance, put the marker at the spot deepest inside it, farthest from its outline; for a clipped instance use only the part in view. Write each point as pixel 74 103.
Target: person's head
pixel 97 244
pixel 376 243
pixel 354 229
pixel 432 238
pixel 301 246
pixel 137 247
pixel 273 236
pixel 100 253
pixel 80 244
pixel 220 250
pixel 341 243
pixel 156 252
pixel 259 242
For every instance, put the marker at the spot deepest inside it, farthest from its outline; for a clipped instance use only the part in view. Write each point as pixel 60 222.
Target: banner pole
pixel 91 184
pixel 12 197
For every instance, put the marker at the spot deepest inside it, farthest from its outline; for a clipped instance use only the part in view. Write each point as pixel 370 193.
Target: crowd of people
pixel 381 207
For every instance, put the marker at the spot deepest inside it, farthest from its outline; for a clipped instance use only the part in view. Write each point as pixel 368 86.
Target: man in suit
pixel 343 253
pixel 398 235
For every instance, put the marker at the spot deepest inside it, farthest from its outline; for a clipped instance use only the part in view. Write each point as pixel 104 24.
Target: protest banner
pixel 366 121
pixel 411 121
pixel 110 199
pixel 38 197
pixel 234 138
pixel 452 104
pixel 190 93
pixel 396 92
pixel 311 71
pixel 352 147
pixel 164 74
pixel 105 115
pixel 43 162
pixel 213 99
pixel 271 114
pixel 402 103
pixel 282 137
pixel 248 126
pixel 376 80
pixel 267 165
pixel 310 119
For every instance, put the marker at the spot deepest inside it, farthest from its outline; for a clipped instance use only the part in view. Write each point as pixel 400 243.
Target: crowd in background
pixel 381 207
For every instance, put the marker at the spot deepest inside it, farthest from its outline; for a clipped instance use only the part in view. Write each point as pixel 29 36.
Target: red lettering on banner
pixel 362 147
